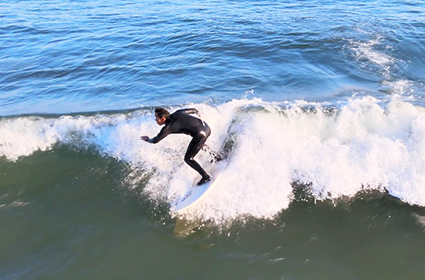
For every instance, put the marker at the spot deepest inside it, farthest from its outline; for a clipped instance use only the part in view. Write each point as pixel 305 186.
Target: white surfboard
pixel 194 195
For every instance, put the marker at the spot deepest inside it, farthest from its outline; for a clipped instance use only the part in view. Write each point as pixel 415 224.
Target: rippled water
pixel 61 57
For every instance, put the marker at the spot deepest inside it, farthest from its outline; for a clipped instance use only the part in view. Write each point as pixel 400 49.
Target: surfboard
pixel 194 195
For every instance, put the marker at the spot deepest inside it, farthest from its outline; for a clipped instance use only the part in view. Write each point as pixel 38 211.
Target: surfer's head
pixel 161 115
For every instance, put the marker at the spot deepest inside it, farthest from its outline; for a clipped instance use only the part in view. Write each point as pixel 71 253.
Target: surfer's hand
pixel 144 138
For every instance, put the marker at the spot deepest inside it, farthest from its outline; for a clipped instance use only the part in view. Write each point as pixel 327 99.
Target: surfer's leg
pixel 215 156
pixel 194 147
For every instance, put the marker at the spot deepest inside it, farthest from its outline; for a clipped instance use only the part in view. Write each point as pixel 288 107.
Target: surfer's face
pixel 160 120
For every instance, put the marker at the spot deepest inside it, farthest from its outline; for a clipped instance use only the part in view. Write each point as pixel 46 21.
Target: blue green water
pixel 318 106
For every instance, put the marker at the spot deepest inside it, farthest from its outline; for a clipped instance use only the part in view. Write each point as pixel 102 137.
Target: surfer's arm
pixel 161 135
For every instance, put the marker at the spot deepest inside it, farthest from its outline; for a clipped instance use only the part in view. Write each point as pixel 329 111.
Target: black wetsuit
pixel 182 122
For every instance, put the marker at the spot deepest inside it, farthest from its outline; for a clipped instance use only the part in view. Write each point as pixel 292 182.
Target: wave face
pixel 334 151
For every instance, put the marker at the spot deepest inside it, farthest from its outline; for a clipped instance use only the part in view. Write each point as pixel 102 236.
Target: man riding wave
pixel 183 121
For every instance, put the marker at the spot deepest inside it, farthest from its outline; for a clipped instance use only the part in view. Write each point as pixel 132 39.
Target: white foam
pixel 368 52
pixel 401 87
pixel 23 136
pixel 363 144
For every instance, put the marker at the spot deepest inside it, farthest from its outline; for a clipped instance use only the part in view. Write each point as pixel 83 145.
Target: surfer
pixel 183 121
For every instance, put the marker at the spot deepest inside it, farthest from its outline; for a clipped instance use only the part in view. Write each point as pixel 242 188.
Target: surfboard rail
pixel 194 195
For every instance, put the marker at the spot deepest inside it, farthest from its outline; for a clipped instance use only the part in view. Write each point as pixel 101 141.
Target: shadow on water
pixel 195 233
pixel 184 228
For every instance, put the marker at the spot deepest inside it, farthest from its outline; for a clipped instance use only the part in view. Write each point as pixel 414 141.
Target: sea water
pixel 317 107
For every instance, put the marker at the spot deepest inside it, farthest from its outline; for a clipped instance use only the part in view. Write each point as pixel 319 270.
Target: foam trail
pixel 339 151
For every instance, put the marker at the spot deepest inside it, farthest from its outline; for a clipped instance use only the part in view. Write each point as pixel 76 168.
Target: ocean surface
pixel 317 106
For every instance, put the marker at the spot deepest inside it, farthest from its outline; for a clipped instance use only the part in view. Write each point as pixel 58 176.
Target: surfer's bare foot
pixel 204 180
